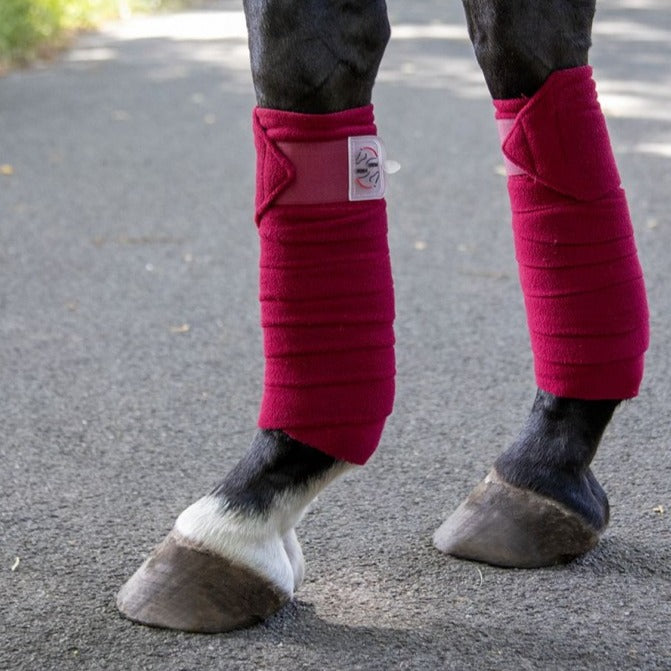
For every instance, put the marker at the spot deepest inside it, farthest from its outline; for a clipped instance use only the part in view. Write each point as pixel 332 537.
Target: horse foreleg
pixel 583 288
pixel 232 558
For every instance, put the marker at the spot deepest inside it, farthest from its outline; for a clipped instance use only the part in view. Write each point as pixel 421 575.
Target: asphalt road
pixel 130 361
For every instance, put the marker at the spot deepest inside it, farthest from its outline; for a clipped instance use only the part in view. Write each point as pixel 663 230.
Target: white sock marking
pixel 267 542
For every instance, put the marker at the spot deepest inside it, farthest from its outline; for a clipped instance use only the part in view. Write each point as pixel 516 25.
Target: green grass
pixel 33 28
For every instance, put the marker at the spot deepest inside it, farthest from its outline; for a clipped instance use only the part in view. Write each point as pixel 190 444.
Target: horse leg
pixel 232 558
pixel 584 294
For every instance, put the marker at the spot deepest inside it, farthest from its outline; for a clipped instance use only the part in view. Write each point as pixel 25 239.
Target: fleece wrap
pixel 327 301
pixel 582 282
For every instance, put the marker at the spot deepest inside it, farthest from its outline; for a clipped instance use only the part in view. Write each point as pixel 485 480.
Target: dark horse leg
pixel 541 504
pixel 232 558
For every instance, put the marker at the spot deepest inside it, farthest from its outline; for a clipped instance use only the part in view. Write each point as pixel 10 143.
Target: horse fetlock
pixel 278 476
pixel 552 454
pixel 541 504
pixel 233 558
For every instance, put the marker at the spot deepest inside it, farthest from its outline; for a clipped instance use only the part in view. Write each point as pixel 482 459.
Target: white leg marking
pixel 267 542
pixel 295 554
pixel 249 540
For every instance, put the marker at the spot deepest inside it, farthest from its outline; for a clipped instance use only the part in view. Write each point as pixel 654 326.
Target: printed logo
pixel 366 176
pixel 367 167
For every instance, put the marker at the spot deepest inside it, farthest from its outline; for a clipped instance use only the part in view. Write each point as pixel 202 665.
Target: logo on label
pixel 366 176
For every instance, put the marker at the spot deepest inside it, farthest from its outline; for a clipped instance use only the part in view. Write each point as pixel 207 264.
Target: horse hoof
pixel 181 586
pixel 507 526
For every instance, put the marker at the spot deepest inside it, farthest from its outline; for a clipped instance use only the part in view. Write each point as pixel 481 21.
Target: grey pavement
pixel 130 358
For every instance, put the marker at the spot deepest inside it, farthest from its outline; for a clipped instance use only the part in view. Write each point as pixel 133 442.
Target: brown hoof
pixel 183 587
pixel 506 526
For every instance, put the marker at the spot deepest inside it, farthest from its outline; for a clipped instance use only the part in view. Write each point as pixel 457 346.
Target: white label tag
pixel 366 172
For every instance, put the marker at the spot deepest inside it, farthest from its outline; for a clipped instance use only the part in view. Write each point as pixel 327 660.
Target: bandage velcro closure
pixel 314 169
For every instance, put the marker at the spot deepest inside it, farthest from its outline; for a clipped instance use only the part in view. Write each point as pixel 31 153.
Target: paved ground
pixel 130 359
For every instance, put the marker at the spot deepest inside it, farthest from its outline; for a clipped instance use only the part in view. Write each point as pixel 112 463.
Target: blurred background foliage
pixel 36 28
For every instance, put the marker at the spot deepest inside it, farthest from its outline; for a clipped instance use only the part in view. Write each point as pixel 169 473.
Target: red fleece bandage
pixel 327 303
pixel 582 282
